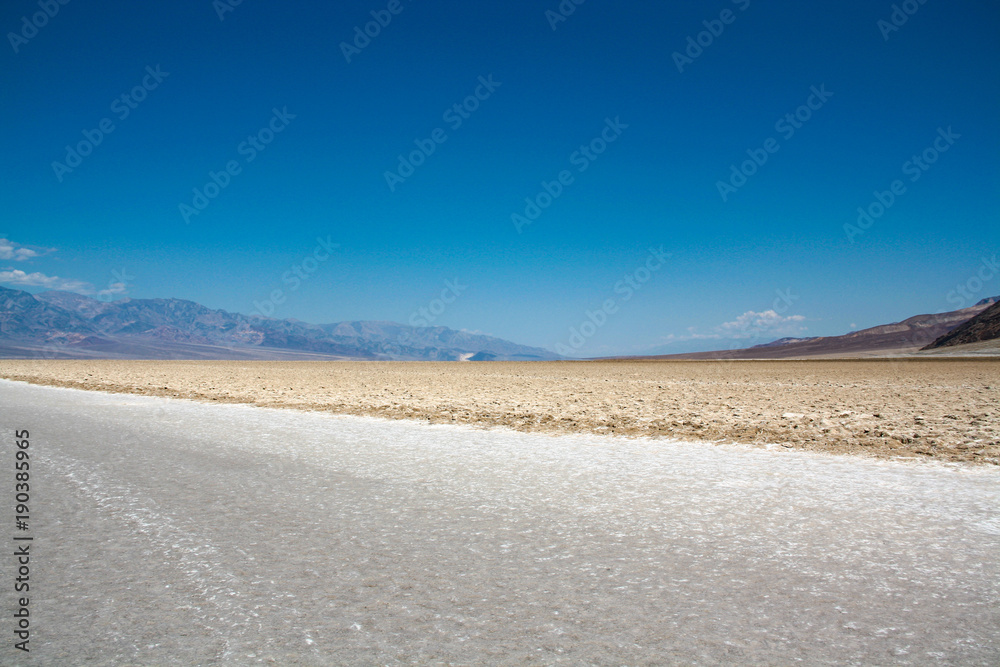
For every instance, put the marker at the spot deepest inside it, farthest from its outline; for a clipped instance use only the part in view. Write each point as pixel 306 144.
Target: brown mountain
pixel 907 336
pixel 984 326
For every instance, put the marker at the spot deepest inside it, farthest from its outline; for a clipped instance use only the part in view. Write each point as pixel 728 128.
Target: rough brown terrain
pixel 946 409
pixel 983 327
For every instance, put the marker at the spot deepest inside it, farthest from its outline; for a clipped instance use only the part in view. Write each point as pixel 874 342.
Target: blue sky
pixel 639 238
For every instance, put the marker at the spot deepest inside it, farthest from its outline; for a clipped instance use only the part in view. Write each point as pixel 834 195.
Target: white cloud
pixel 10 250
pixel 17 252
pixel 18 277
pixel 752 324
pixel 114 288
pixel 691 335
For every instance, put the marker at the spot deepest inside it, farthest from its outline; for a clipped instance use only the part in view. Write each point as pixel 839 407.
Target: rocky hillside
pixel 907 336
pixel 982 327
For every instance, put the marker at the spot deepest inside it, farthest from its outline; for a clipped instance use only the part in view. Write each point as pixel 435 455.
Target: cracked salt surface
pixel 173 532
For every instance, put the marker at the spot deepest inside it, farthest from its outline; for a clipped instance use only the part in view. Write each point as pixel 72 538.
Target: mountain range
pixel 65 325
pixel 905 337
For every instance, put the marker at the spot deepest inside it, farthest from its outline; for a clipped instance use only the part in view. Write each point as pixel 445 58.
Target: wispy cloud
pixel 752 324
pixel 36 279
pixel 9 250
pixel 17 252
pixel 114 288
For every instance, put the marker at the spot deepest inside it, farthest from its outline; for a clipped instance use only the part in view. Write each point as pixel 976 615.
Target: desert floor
pixel 173 532
pixel 943 409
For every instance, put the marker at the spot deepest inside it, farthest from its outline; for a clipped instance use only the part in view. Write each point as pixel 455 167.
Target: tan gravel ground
pixel 945 409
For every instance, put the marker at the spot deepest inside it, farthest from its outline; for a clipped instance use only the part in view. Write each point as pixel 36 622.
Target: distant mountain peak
pixel 783 341
pixel 66 324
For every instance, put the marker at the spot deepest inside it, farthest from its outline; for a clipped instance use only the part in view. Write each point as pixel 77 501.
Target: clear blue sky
pixel 114 225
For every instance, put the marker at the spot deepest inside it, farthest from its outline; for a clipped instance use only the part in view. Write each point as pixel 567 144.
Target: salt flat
pixel 175 532
pixel 944 409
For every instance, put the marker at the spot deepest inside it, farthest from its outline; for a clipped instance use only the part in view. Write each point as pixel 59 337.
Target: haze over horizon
pixel 557 169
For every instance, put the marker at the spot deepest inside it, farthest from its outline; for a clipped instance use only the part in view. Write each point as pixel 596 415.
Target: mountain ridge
pixel 68 325
pixel 983 327
pixel 908 335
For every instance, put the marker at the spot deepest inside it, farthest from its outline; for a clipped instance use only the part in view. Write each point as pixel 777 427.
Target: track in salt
pixel 175 532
